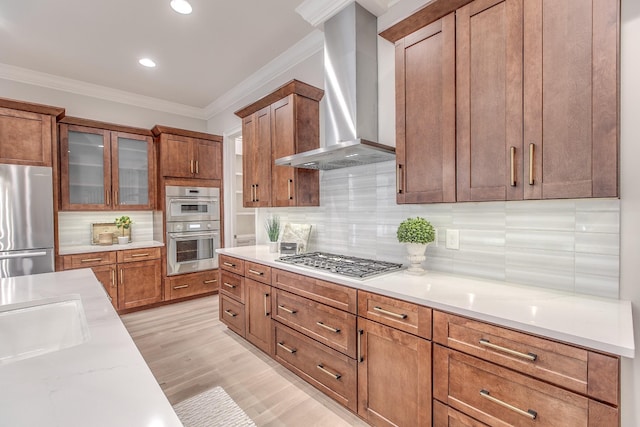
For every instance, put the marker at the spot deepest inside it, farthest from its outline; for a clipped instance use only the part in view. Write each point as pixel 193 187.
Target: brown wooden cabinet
pixel 131 277
pixel 105 166
pixel 27 132
pixel 257 313
pixel 282 123
pixel 425 114
pixel 187 285
pixel 188 154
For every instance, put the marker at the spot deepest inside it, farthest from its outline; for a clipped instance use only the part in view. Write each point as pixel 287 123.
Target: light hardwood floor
pixel 189 351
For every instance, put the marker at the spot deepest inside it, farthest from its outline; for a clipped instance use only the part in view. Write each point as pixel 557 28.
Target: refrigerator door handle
pixel 24 255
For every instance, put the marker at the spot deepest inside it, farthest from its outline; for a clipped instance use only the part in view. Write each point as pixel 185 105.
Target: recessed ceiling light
pixel 181 6
pixel 147 62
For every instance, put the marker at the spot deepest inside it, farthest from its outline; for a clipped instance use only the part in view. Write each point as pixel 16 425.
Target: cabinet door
pixel 394 376
pixel 208 158
pixel 256 159
pixel 25 137
pixel 107 276
pixel 489 100
pixel 258 315
pixel 132 171
pixel 283 137
pixel 571 98
pixel 176 158
pixel 139 284
pixel 85 168
pixel 425 114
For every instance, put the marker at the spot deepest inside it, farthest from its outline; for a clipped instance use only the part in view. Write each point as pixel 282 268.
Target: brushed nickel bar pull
pixel 531 151
pixel 331 374
pixel 206 282
pixel 197 166
pixel 529 356
pixel 336 330
pixel 399 179
pixel 360 333
pixel 229 285
pixel 289 188
pixel 115 198
pixel 390 313
pixel 139 255
pixel 290 350
pixel 191 166
pixel 122 276
pixel 228 264
pixel 266 299
pixel 106 196
pixel 513 166
pixel 257 273
pixel 230 313
pixel 91 260
pixel 529 413
pixel 288 310
pixel 181 287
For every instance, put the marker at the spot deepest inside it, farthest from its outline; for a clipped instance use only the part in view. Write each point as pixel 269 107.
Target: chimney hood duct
pixel 351 94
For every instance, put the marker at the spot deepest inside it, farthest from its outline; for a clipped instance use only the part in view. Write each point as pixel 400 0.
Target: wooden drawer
pixel 232 285
pixel 412 318
pixel 499 396
pixel 328 370
pixel 576 369
pixel 232 314
pixel 330 326
pixel 231 264
pixel 141 254
pixel 331 294
pixel 444 416
pixel 88 260
pixel 187 285
pixel 258 272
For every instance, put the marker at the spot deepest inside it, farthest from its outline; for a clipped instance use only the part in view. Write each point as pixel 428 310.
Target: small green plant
pixel 272 226
pixel 124 222
pixel 416 230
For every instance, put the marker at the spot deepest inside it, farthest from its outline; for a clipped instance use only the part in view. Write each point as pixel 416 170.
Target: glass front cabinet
pixel 103 169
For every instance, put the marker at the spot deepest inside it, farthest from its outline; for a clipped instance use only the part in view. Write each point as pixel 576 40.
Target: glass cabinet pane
pixel 133 172
pixel 86 168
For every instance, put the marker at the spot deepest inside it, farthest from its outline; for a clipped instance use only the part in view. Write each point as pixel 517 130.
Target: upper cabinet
pixel 283 123
pixel 105 167
pixel 188 154
pixel 27 132
pixel 536 100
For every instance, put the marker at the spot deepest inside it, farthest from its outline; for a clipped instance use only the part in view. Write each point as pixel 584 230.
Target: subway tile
pixel 598 243
pixel 600 286
pixel 561 281
pixel 597 265
pixel 535 239
pixel 598 221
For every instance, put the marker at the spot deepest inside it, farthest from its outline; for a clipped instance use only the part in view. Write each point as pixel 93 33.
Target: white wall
pixel 630 199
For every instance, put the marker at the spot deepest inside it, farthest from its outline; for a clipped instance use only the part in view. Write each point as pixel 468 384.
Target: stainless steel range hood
pixel 351 93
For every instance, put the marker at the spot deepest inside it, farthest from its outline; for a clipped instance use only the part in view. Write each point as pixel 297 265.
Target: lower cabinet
pixel 139 284
pixel 257 314
pixel 187 285
pixel 232 314
pixel 107 276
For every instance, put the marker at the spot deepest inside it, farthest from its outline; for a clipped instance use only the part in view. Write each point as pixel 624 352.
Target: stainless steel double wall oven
pixel 193 228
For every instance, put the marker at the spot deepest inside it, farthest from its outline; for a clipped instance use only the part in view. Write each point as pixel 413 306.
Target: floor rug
pixel 211 408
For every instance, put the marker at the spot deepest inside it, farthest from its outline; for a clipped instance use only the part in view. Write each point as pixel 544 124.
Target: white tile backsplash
pixel 570 245
pixel 74 228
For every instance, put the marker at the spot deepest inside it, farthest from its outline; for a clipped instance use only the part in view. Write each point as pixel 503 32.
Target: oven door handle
pixel 188 236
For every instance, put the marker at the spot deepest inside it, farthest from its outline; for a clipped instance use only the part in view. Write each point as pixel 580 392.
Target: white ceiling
pixel 199 56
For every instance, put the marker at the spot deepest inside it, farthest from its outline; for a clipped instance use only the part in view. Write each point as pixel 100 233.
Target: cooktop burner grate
pixel 340 264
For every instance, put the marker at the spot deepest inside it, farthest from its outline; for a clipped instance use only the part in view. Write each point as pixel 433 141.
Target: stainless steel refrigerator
pixel 26 220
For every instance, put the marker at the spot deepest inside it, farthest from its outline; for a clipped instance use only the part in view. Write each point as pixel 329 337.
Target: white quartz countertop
pixel 85 249
pixel 598 323
pixel 101 382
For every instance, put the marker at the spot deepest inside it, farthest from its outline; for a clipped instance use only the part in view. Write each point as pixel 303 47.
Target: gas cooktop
pixel 359 268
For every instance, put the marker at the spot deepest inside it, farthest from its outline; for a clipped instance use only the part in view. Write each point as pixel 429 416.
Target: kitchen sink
pixel 38 327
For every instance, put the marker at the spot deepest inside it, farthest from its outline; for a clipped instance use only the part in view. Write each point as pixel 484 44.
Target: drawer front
pixel 500 396
pixel 88 260
pixel 331 294
pixel 141 254
pixel 231 264
pixel 570 367
pixel 257 272
pixel 412 318
pixel 444 416
pixel 328 370
pixel 232 285
pixel 330 326
pixel 192 284
pixel 232 315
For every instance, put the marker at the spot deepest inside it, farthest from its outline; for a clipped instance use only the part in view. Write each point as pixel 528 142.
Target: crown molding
pixel 305 48
pixel 50 81
pixel 316 12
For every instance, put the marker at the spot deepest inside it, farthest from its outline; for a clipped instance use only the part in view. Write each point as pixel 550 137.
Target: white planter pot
pixel 273 247
pixel 416 257
pixel 123 240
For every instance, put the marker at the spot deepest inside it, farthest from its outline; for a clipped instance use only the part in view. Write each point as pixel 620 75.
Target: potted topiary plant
pixel 417 233
pixel 272 225
pixel 124 223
